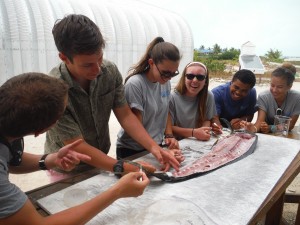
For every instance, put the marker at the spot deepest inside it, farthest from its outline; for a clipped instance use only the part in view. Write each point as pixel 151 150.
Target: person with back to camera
pixel 29 105
pixel 236 100
pixel 192 105
pixel 280 99
pixel 95 89
pixel 147 90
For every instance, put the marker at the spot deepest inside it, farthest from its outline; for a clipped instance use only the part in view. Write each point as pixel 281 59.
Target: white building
pixel 128 26
pixel 249 60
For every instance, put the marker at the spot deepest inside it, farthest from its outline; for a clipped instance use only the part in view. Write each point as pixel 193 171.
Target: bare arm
pixel 127 186
pixel 98 158
pixel 171 142
pixel 135 129
pixel 66 159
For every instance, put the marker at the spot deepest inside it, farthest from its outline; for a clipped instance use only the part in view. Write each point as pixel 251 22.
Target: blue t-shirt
pixel 228 108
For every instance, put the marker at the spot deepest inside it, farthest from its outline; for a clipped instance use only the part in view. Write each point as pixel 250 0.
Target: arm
pixel 259 125
pixel 293 121
pixel 135 129
pixel 127 186
pixel 98 158
pixel 235 123
pixel 171 142
pixel 66 158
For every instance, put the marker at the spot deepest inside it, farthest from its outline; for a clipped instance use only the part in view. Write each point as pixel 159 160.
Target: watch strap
pixel 42 164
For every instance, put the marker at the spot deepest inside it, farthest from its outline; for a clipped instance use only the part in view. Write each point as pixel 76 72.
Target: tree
pixel 274 56
pixel 202 47
pixel 216 49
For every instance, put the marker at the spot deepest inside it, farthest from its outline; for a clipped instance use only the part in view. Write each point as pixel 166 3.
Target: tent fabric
pixel 128 26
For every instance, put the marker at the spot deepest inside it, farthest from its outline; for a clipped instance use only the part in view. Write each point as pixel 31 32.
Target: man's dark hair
pixel 245 76
pixel 31 103
pixel 77 34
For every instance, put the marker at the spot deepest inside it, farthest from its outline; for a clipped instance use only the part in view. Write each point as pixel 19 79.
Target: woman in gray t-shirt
pixel 192 106
pixel 278 100
pixel 147 91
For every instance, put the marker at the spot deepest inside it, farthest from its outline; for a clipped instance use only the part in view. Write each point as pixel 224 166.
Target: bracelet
pixel 272 128
pixel 169 136
pixel 255 128
pixel 193 132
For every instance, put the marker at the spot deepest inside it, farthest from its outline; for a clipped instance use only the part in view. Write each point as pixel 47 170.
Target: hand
pixel 165 158
pixel 248 126
pixel 202 133
pixel 177 154
pixel 264 127
pixel 130 185
pixel 67 158
pixel 172 143
pixel 235 123
pixel 217 129
pixel 169 160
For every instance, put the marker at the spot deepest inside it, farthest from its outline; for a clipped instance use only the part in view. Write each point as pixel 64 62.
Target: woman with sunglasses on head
pixel 192 105
pixel 278 100
pixel 147 91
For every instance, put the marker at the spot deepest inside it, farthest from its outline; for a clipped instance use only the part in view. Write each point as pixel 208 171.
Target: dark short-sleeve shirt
pixel 87 114
pixel 228 108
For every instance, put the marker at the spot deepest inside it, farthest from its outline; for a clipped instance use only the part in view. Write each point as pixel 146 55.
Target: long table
pixel 268 199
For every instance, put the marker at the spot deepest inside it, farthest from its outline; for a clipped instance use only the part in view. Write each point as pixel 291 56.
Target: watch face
pixel 118 167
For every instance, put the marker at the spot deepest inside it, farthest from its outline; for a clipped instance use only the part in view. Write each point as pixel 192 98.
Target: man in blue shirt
pixel 236 100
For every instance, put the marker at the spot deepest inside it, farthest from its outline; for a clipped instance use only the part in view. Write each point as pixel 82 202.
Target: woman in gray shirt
pixel 147 91
pixel 280 99
pixel 192 105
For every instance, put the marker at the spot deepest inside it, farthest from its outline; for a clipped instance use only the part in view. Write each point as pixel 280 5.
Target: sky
pixel 268 24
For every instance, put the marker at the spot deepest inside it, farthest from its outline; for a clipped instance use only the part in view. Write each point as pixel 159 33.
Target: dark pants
pixel 126 152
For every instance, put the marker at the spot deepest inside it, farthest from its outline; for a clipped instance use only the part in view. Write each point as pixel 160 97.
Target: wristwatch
pixel 42 164
pixel 118 167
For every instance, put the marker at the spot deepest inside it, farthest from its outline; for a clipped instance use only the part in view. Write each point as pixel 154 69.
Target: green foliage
pixel 274 56
pixel 216 49
pixel 232 54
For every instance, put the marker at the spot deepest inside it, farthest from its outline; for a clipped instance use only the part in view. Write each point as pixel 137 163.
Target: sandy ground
pixel 35 145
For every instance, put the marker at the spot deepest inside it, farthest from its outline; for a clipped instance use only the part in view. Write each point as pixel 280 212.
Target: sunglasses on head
pixel 191 76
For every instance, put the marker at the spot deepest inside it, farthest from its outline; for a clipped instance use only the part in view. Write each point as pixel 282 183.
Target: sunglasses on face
pixel 167 75
pixel 191 76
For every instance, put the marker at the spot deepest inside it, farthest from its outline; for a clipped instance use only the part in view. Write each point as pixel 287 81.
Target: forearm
pixel 182 132
pixel 30 163
pixel 98 158
pixel 168 129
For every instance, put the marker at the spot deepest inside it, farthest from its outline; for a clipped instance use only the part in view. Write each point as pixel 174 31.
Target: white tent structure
pixel 128 26
pixel 249 60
